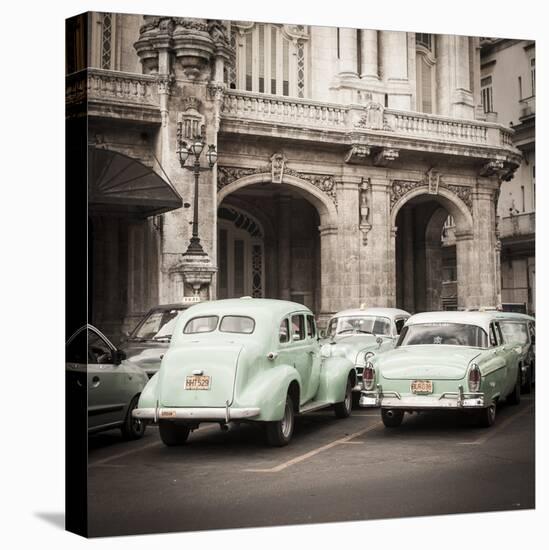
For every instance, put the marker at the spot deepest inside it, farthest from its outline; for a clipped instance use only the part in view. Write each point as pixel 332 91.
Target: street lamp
pixel 183 152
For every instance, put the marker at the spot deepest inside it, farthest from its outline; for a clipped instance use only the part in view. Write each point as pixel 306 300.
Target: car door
pixel 303 352
pixel 314 356
pixel 506 373
pixel 108 391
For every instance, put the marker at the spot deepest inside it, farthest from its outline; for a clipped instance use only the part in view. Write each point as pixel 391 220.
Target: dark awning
pixel 120 184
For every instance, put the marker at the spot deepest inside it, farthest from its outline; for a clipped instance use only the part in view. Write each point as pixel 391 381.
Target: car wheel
pixel 279 433
pixel 392 418
pixel 514 397
pixel 487 416
pixel 343 409
pixel 133 428
pixel 527 386
pixel 173 434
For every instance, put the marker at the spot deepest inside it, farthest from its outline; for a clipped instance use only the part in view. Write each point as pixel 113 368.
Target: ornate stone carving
pixel 399 188
pixel 364 212
pixel 190 121
pixel 433 181
pixel 325 183
pixel 385 156
pixel 278 160
pixel 373 118
pixel 492 168
pixel 358 153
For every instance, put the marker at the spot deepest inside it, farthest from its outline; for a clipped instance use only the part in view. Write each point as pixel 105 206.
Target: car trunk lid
pixel 219 363
pixel 430 362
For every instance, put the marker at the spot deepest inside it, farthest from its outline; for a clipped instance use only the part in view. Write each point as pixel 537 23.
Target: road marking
pixel 372 415
pixel 497 429
pixel 314 452
pixel 129 452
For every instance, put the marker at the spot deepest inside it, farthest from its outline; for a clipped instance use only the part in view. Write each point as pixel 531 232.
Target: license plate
pixel 197 382
pixel 422 386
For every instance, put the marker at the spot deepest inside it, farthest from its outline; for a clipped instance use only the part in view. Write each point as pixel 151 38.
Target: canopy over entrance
pixel 118 183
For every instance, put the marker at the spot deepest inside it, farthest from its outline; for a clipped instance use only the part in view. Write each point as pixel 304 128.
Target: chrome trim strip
pixel 390 399
pixel 222 414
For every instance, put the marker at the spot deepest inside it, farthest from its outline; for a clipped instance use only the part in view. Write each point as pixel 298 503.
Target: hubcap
pixel 287 421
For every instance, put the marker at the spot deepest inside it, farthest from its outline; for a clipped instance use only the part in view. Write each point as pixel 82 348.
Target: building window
pixel 106 40
pixel 269 60
pixel 425 73
pixel 486 94
pixel 533 75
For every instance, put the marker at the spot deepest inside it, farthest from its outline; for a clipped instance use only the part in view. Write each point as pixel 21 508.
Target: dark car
pixel 150 339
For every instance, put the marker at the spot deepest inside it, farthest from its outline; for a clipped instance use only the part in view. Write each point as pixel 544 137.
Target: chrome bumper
pixel 447 400
pixel 204 414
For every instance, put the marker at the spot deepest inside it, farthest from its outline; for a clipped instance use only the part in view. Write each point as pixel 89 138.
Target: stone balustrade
pixel 517 225
pixel 276 109
pixel 263 108
pixel 124 87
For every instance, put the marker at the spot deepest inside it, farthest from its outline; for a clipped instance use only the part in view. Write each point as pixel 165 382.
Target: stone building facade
pixel 508 81
pixel 342 153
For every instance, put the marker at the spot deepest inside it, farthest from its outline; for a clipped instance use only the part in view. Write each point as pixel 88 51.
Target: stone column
pixel 407 275
pixel 444 74
pixel 378 279
pixel 347 52
pixel 328 272
pixel 485 288
pixel 433 264
pixel 284 247
pixel 348 275
pixel 466 279
pixel 369 67
pixel 393 55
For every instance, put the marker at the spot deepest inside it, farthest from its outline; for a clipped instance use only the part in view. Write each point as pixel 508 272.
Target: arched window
pixel 425 73
pixel 270 59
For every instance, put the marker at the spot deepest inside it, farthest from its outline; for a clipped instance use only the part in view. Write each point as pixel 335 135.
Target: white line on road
pixel 136 450
pixel 497 429
pixel 314 452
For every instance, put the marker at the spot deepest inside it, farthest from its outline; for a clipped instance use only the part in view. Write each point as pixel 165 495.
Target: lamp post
pixel 184 151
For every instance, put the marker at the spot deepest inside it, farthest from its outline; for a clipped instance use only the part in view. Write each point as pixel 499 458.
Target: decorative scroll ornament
pixel 433 181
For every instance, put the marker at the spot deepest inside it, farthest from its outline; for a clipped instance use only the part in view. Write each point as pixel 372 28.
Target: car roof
pixel 379 311
pixel 172 306
pixel 478 318
pixel 514 316
pixel 248 306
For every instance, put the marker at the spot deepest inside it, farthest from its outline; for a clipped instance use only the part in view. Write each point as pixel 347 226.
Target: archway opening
pixel 268 244
pixel 426 254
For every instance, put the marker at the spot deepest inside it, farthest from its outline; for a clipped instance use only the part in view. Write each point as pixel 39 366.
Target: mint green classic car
pixel 245 359
pixel 362 333
pixel 445 360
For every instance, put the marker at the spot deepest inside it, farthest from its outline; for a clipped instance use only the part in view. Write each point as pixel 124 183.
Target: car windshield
pixel 157 325
pixel 450 334
pixel 229 323
pixel 514 332
pixel 359 324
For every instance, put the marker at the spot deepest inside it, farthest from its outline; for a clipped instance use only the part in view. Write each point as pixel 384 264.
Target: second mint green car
pixel 445 360
pixel 246 359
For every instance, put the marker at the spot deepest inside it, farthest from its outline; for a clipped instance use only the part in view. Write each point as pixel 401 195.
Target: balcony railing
pixel 115 94
pixel 517 225
pixel 527 107
pixel 263 108
pixel 284 110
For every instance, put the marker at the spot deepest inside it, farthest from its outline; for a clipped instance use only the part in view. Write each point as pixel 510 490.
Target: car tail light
pixel 474 378
pixel 368 377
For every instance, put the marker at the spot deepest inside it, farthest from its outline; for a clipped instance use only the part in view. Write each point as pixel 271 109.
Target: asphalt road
pixel 334 470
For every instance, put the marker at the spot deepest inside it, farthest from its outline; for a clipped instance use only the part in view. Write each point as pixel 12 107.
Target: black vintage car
pixel 150 339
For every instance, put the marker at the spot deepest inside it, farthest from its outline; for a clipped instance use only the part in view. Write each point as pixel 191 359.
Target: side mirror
pixel 322 333
pixel 118 356
pixel 379 340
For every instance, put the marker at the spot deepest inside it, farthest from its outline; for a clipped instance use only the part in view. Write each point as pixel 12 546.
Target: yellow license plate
pixel 422 386
pixel 197 382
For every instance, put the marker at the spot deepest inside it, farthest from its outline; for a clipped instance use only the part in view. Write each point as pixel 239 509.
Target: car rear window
pixel 237 323
pixel 201 324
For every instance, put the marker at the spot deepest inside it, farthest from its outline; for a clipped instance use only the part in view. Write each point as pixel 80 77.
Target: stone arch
pixel 449 200
pixel 322 202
